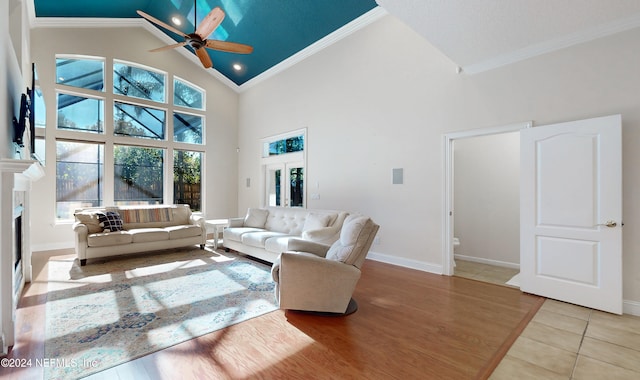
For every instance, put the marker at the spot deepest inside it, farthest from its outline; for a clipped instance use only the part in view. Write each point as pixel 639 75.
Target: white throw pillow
pixel 315 221
pixel 90 219
pixel 256 218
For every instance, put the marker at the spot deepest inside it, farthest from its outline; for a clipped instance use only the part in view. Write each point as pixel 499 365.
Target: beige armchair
pixel 322 278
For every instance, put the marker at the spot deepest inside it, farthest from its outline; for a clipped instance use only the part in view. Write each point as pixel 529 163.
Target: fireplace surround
pixel 16 177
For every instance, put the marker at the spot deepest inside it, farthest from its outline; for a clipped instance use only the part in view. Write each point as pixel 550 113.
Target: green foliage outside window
pixel 290 145
pixel 187 178
pixel 138 175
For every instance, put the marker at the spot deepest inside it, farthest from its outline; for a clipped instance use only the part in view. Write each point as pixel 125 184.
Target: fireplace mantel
pixel 15 176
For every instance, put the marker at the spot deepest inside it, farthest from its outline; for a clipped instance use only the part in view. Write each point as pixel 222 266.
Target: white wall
pixel 132 44
pixel 6 106
pixel 487 198
pixel 14 42
pixel 383 98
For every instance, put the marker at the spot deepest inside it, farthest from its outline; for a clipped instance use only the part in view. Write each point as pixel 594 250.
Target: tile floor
pixel 484 272
pixel 565 341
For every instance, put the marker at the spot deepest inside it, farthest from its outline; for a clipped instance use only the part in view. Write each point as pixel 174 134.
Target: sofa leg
pixel 83 262
pixel 227 250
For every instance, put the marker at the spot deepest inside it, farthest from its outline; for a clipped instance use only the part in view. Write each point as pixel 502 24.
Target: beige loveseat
pixel 265 232
pixel 111 231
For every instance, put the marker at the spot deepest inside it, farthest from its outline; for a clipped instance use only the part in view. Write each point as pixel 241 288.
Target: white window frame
pixel 108 139
pixel 282 162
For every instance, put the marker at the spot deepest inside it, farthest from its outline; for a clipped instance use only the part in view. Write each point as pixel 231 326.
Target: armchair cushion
pixel 301 245
pixel 352 247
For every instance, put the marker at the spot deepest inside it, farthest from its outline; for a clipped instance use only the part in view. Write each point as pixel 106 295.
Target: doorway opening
pixel 481 206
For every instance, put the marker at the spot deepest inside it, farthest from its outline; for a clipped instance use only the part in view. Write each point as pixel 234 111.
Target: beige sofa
pixel 265 233
pixel 111 231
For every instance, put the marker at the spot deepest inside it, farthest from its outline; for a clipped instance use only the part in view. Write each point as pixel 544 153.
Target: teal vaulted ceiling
pixel 277 29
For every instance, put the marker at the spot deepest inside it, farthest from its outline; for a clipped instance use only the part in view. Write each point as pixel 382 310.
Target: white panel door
pixel 571 212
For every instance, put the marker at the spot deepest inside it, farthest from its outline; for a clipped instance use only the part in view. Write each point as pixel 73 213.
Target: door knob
pixel 609 223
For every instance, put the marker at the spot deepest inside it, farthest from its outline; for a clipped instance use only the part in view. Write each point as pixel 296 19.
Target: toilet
pixel 456 243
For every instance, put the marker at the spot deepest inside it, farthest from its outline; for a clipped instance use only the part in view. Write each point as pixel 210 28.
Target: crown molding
pixel 556 44
pixel 355 25
pixel 86 22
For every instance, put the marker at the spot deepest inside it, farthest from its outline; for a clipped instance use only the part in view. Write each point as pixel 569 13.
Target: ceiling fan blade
pixel 172 46
pixel 210 22
pixel 230 47
pixel 204 58
pixel 162 24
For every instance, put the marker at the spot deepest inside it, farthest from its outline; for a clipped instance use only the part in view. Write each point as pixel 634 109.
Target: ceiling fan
pixel 198 39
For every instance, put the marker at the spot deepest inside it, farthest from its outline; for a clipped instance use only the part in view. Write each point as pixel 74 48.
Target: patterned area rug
pixel 107 313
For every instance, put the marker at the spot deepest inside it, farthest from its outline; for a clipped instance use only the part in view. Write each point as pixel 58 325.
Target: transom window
pixel 138 82
pixel 187 95
pixel 283 146
pixel 143 141
pixel 87 73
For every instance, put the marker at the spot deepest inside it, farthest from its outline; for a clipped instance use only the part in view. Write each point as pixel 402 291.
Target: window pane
pixel 138 175
pixel 187 128
pixel 79 170
pixel 82 73
pixel 187 176
pixel 40 116
pixel 138 82
pixel 296 189
pixel 80 114
pixel 187 95
pixel 137 121
pixel 273 187
pixel 290 145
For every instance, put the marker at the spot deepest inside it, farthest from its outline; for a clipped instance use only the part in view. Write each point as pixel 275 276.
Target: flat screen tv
pixel 32 111
pixel 26 114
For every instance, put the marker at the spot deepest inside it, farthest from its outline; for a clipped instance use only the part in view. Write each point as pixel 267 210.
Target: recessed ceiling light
pixel 237 66
pixel 176 20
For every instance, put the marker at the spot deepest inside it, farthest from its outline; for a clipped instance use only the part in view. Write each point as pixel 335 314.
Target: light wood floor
pixel 410 325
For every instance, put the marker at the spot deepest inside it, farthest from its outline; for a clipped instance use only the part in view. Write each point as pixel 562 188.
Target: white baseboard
pixel 50 246
pixel 487 261
pixel 631 308
pixel 407 263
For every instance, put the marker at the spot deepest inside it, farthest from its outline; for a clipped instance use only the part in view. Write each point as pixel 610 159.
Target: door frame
pixel 288 159
pixel 448 195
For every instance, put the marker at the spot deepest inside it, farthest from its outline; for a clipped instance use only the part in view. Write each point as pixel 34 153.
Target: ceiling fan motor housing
pixel 195 41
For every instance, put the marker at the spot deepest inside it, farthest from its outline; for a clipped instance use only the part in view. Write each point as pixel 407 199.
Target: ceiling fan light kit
pixel 198 39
